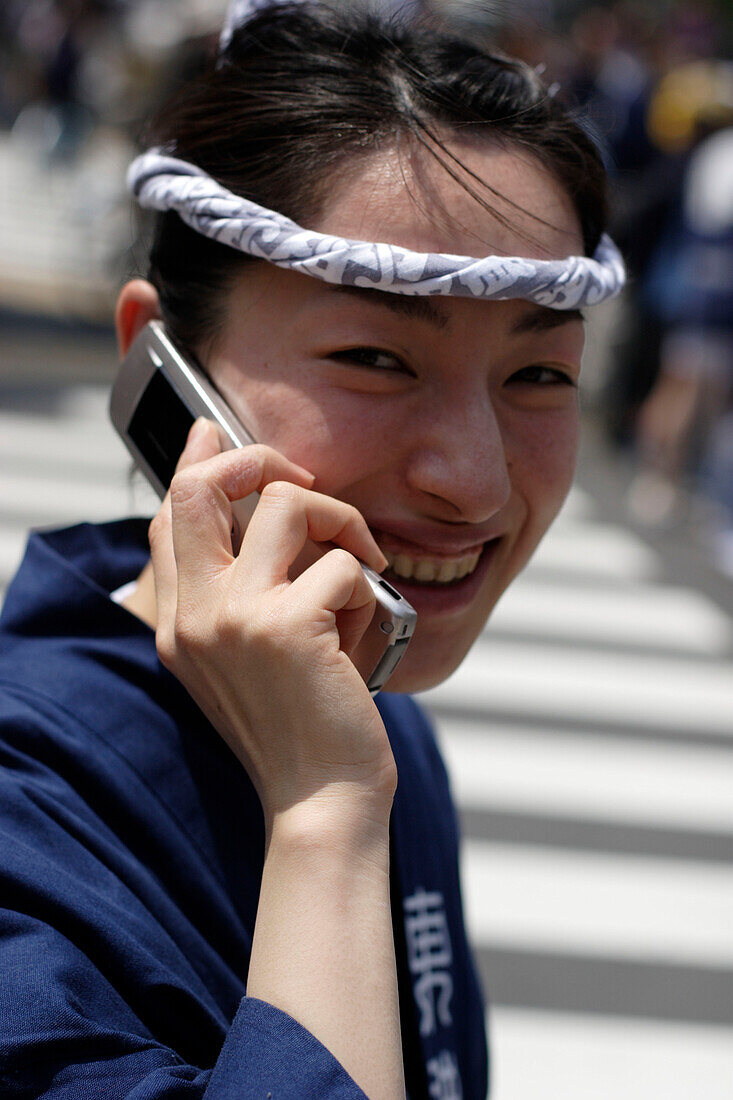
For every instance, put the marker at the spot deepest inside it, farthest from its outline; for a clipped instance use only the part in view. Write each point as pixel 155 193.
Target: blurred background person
pixel 683 425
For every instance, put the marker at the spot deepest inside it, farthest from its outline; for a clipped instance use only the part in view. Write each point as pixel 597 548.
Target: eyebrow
pixel 424 309
pixel 543 319
pixel 536 319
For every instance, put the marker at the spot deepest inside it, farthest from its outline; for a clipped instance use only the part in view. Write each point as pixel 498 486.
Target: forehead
pixel 503 202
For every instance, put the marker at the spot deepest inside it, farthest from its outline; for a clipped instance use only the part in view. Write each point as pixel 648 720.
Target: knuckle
pixel 182 632
pixel 352 521
pixel 345 561
pixel 281 492
pixel 191 635
pixel 227 631
pixel 186 484
pixel 353 514
pixel 355 520
pixel 166 647
pixel 260 453
pixel 245 466
pixel 347 565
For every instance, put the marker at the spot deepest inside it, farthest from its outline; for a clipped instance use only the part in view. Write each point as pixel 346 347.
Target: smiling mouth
pixel 432 571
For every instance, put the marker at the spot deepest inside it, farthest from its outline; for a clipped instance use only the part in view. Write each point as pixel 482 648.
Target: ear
pixel 136 305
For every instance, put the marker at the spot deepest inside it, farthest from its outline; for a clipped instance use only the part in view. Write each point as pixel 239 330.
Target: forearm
pixel 323 948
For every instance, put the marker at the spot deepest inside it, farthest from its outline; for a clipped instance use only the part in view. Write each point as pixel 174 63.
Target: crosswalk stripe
pixel 661 616
pixel 628 907
pixel 589 776
pixel 541 680
pixel 569 1056
pixel 45 500
pixel 596 550
pixel 40 444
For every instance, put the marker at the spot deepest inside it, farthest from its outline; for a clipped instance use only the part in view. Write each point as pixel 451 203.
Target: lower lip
pixel 438 599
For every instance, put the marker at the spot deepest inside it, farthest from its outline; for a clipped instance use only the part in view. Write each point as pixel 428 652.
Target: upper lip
pixel 417 540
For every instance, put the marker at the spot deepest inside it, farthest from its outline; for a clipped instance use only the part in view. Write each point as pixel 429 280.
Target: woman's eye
pixel 543 376
pixel 371 357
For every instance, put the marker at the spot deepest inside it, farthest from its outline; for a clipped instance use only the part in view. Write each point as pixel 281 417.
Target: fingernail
pixel 306 473
pixel 385 563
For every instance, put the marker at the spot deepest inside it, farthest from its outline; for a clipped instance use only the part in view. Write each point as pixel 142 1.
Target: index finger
pixel 203 498
pixel 286 518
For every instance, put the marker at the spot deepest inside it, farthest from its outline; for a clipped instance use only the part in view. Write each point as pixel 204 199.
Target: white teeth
pixel 400 564
pixel 424 571
pixel 428 570
pixel 447 572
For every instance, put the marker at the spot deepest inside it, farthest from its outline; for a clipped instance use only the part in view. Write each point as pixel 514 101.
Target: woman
pixel 286 921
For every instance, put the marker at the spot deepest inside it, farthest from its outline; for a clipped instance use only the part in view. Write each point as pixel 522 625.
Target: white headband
pixel 161 182
pixel 239 12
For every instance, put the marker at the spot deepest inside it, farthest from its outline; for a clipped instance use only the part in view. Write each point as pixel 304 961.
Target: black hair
pixel 303 90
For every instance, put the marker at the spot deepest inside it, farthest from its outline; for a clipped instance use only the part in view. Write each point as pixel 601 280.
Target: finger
pixel 201 444
pixel 286 517
pixel 333 584
pixel 335 593
pixel 202 495
pixel 352 626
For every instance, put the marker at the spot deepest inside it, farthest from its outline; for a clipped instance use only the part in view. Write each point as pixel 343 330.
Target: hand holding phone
pixel 156 398
pixel 269 660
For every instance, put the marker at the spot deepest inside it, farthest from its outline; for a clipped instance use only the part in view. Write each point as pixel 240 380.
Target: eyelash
pixel 557 377
pixel 361 357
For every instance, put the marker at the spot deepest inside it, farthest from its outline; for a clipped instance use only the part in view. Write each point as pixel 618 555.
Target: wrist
pixel 334 821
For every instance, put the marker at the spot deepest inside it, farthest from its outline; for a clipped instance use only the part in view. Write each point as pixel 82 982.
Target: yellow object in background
pixel 695 97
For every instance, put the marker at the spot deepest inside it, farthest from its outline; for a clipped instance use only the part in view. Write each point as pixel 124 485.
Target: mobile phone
pixel 157 395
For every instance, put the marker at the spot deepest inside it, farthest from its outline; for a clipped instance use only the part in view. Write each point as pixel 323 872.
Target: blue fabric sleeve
pixel 67 1035
pixel 99 993
pixel 263 1047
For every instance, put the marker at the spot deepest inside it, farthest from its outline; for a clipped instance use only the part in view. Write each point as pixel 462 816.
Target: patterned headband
pixel 165 183
pixel 162 182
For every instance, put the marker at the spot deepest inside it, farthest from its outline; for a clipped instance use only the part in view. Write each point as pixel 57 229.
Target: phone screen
pixel 160 425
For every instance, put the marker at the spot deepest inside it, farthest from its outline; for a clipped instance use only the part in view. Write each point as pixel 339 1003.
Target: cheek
pixel 316 428
pixel 543 463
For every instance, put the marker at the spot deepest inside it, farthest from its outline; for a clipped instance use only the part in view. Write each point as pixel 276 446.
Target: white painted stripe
pixel 644 615
pixel 587 686
pixel 38 441
pixel 88 401
pixel 589 777
pixel 596 550
pixel 627 907
pixel 564 1056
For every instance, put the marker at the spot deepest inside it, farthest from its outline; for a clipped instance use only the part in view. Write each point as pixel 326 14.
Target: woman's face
pixel 451 424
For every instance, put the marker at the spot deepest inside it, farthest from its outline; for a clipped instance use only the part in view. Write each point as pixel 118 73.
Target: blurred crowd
pixel 652 80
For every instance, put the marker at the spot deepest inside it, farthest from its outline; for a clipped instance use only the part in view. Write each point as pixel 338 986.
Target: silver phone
pixel 157 395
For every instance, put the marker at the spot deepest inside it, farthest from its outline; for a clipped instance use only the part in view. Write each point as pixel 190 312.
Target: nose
pixel 459 462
